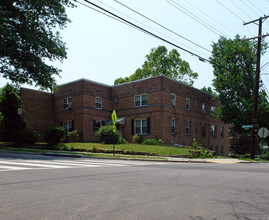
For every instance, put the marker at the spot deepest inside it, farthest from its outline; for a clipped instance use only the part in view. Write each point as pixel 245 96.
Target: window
pixel 217 150
pixel 213 130
pixel 173 126
pixel 222 131
pixel 212 110
pixel 67 103
pixel 141 100
pixel 188 104
pixel 97 125
pixel 68 126
pixel 187 128
pixel 98 103
pixel 196 129
pixel 204 129
pixel 141 126
pixel 221 150
pixel 203 107
pixel 173 99
pixel 196 106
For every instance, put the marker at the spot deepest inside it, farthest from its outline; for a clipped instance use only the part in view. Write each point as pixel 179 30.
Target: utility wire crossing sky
pixel 103 49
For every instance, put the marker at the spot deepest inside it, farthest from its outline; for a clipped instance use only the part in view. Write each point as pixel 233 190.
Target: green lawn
pixel 156 149
pixel 152 149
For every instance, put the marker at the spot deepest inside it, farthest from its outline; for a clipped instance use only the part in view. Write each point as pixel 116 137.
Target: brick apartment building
pixel 156 107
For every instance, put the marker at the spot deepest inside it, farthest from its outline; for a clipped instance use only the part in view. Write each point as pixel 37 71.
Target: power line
pixel 154 35
pixel 255 7
pixel 240 9
pixel 250 8
pixel 124 21
pixel 151 28
pixel 230 11
pixel 193 17
pixel 162 26
pixel 213 19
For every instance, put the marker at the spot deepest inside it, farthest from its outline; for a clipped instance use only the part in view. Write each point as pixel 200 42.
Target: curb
pixel 134 159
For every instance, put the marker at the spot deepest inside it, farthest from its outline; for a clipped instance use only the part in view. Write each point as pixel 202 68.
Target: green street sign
pixel 246 127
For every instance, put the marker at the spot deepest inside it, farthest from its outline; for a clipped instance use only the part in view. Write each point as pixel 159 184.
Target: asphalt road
pixel 41 187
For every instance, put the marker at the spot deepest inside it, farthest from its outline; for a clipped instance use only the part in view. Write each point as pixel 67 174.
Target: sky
pixel 103 49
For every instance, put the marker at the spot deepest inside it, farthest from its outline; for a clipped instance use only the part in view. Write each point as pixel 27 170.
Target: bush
pixel 106 135
pixel 233 155
pixel 195 144
pixel 30 136
pixel 73 136
pixel 153 142
pixel 123 141
pixel 137 139
pixel 55 135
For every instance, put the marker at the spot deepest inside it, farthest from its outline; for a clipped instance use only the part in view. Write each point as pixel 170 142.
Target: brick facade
pixel 154 118
pixel 39 107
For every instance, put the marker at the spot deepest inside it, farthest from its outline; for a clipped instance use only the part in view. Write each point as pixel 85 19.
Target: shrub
pixel 73 136
pixel 30 136
pixel 55 135
pixel 195 144
pixel 153 142
pixel 246 156
pixel 106 135
pixel 122 141
pixel 137 139
pixel 233 155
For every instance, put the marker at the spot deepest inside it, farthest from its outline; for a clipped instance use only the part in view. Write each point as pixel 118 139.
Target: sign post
pixel 114 119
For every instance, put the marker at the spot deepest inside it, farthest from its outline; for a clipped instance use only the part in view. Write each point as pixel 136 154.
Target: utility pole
pixel 256 88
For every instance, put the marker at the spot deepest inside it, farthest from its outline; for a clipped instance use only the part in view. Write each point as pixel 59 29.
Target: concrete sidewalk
pixel 214 160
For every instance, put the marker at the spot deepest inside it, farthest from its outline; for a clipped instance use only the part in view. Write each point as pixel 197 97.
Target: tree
pixel 28 40
pixel 12 124
pixel 208 90
pixel 234 64
pixel 160 62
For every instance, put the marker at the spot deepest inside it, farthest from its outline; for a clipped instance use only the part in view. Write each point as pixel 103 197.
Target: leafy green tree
pixel 208 90
pixel 162 62
pixel 12 124
pixel 234 62
pixel 28 40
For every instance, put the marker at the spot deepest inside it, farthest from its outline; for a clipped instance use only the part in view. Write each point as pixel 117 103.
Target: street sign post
pixel 114 119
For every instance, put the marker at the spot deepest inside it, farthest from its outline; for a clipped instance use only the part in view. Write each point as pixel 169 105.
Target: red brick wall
pixel 39 110
pixel 159 109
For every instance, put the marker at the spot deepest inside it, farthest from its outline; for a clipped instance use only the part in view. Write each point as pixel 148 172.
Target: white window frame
pixel 173 99
pixel 67 103
pixel 139 128
pixel 173 126
pixel 68 126
pixel 98 103
pixel 213 130
pixel 213 108
pixel 140 100
pixel 203 107
pixel 188 104
pixel 222 131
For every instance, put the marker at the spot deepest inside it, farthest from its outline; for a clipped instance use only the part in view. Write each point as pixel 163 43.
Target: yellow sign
pixel 114 119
